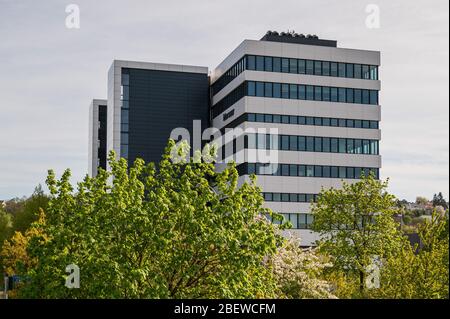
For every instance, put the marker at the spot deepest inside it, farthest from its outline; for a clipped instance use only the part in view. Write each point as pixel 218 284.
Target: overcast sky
pixel 49 74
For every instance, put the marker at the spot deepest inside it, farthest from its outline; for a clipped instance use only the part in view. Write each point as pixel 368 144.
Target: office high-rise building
pixel 321 100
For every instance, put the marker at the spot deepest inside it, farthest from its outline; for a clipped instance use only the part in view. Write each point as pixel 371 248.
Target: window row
pixel 296 66
pixel 312 144
pixel 312 93
pixel 310 120
pixel 312 67
pixel 299 170
pixel 290 197
pixel 295 91
pixel 298 220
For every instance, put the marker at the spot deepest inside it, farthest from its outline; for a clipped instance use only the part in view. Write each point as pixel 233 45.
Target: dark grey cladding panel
pixel 159 102
pixel 102 135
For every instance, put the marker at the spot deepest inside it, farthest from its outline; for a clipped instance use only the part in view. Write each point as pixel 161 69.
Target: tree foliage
pixel 419 271
pixel 172 231
pixel 356 225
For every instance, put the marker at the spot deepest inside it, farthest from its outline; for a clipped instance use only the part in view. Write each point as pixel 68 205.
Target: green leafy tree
pixel 5 226
pixel 356 225
pixel 172 231
pixel 30 211
pixel 419 271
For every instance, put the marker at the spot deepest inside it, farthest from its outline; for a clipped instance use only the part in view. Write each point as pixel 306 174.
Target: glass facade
pixel 297 220
pixel 296 92
pixel 313 144
pixel 290 197
pixel 303 170
pixel 296 66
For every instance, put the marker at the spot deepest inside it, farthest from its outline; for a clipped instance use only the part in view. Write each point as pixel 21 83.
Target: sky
pixel 49 73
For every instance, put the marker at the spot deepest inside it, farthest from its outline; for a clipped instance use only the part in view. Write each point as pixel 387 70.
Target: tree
pixel 30 211
pixel 439 200
pixel 13 254
pixel 356 225
pixel 173 231
pixel 5 226
pixel 298 272
pixel 419 272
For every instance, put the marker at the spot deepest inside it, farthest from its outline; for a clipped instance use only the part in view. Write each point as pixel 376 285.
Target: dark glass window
pixel 260 118
pixel 349 70
pixel 309 144
pixel 334 122
pixel 259 63
pixel 302 120
pixel 309 120
pixel 342 145
pixel 326 121
pixel 285 65
pixel 342 123
pixel 350 146
pixel 334 172
pixel 259 88
pixel 342 97
pixel 326 93
pixel 284 170
pixel 293 119
pixel 285 119
pixel 365 97
pixel 374 124
pixel 318 67
pixel 342 172
pixel 334 69
pixel 341 70
pixel 268 118
pixel 285 91
pixel 318 93
pixel 301 66
pixel 358 71
pixel 326 68
pixel 366 124
pixel 365 72
pixel 302 170
pixel 357 96
pixel 310 92
pixel 350 123
pixel 293 91
pixel 268 67
pixel 317 144
pixel 276 64
pixel 268 89
pixel 318 121
pixel 373 97
pixel 326 171
pixel 285 143
pixel 326 144
pixel 318 171
pixel 373 72
pixel 302 92
pixel 358 146
pixel 251 88
pixel 251 63
pixel 349 95
pixel 334 145
pixel 309 67
pixel 293 170
pixel 358 124
pixel 277 119
pixel 309 171
pixel 334 94
pixel 350 172
pixel 293 66
pixel 293 143
pixel 251 117
pixel 277 90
